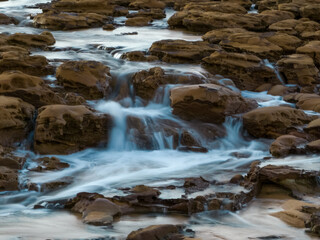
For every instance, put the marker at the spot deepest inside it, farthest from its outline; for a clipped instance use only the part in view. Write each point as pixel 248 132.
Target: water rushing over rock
pixel 117 120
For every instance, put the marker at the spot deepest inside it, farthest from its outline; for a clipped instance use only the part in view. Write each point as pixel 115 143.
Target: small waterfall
pixel 275 69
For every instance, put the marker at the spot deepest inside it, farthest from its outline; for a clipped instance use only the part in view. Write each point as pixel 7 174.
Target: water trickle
pixel 275 69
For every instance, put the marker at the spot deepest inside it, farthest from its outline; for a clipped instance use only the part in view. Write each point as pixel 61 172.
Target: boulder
pixel 42 40
pixel 63 129
pixel 215 36
pixel 212 6
pixel 311 11
pixel 8 179
pixel 288 43
pixel 305 101
pixel 269 17
pixel 154 232
pixel 311 49
pixel 314 146
pixel 154 13
pixel 49 164
pixel 138 21
pixel 313 128
pixel 193 185
pixel 299 69
pixel 287 144
pixel 16 118
pixel 146 4
pixel 29 88
pixel 247 71
pixel 6 20
pixel 181 51
pixel 91 79
pixel 139 56
pixel 272 122
pixel 208 103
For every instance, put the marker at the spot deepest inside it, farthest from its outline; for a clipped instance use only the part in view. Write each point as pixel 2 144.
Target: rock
pixel 298 69
pixel 16 118
pixel 154 232
pixel 278 90
pixel 100 212
pixel 139 56
pixel 91 79
pixel 247 71
pixel 79 203
pixel 250 42
pixel 313 128
pixel 287 144
pixel 269 17
pixel 181 51
pixel 314 146
pixel 6 20
pixel 8 179
pixel 55 185
pixel 74 99
pixel 193 185
pixel 42 40
pixel 208 103
pixel 192 149
pixel 108 27
pixel 288 43
pixel 311 11
pixel 285 26
pixel 209 6
pixel 15 59
pixel 138 21
pixel 9 159
pixel 149 4
pixel 305 101
pixel 154 13
pixel 272 122
pixel 215 36
pixel 49 164
pixel 62 129
pixel 311 49
pixel 237 179
pixel 29 88
pixel 67 21
pixel 200 21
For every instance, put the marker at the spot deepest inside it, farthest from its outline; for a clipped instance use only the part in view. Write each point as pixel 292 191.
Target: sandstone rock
pixel 5 20
pixel 311 11
pixel 29 88
pixel 247 71
pixel 149 4
pixel 287 144
pixel 8 179
pixel 181 51
pixel 154 232
pixel 42 40
pixel 290 7
pixel 298 69
pixel 207 102
pixel 270 17
pixel 68 21
pixel 313 128
pixel 91 79
pixel 305 101
pixel 15 119
pixel 9 159
pixel 314 146
pixel 272 122
pixel 49 164
pixel 278 90
pixel 138 21
pixel 212 6
pixel 313 50
pixel 154 13
pixel 139 56
pixel 215 36
pixel 287 42
pixel 285 26
pixel 250 42
pixel 62 129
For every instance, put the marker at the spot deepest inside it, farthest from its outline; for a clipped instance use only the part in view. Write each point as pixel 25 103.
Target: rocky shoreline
pixel 54 107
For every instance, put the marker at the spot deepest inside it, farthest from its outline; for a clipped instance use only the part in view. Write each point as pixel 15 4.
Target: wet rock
pixel 311 49
pixel 16 118
pixel 247 71
pixel 138 21
pixel 5 20
pixel 305 101
pixel 55 185
pixel 139 56
pixel 148 4
pixel 209 6
pixel 181 51
pixel 154 232
pixel 272 122
pixel 42 40
pixel 8 179
pixel 100 212
pixel 67 21
pixel 237 179
pixel 29 88
pixel 215 36
pixel 287 144
pixel 281 90
pixel 20 60
pixel 62 129
pixel 49 164
pixel 79 203
pixel 9 159
pixel 154 13
pixel 313 128
pixel 314 146
pixel 108 27
pixel 208 103
pixel 192 185
pixel 91 79
pixel 250 42
pixel 299 69
pixel 192 149
pixel 269 17
pixel 314 222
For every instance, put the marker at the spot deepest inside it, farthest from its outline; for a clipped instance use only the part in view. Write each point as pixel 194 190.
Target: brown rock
pixel 154 13
pixel 29 88
pixel 192 185
pixel 305 101
pixel 314 146
pixel 154 232
pixel 89 78
pixel 139 56
pixel 287 42
pixel 298 69
pixel 138 21
pixel 287 144
pixel 42 40
pixel 207 102
pixel 272 122
pixel 149 4
pixel 15 119
pixel 5 20
pixel 313 50
pixel 8 179
pixel 311 11
pixel 49 164
pixel 313 128
pixel 181 51
pixel 215 36
pixel 62 129
pixel 247 71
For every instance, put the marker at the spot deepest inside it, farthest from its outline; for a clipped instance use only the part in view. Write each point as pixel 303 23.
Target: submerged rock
pixel 63 129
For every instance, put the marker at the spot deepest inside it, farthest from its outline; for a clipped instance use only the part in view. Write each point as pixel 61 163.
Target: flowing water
pixel 124 163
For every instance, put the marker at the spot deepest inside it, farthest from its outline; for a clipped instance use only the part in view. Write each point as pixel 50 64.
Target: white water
pixel 123 164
